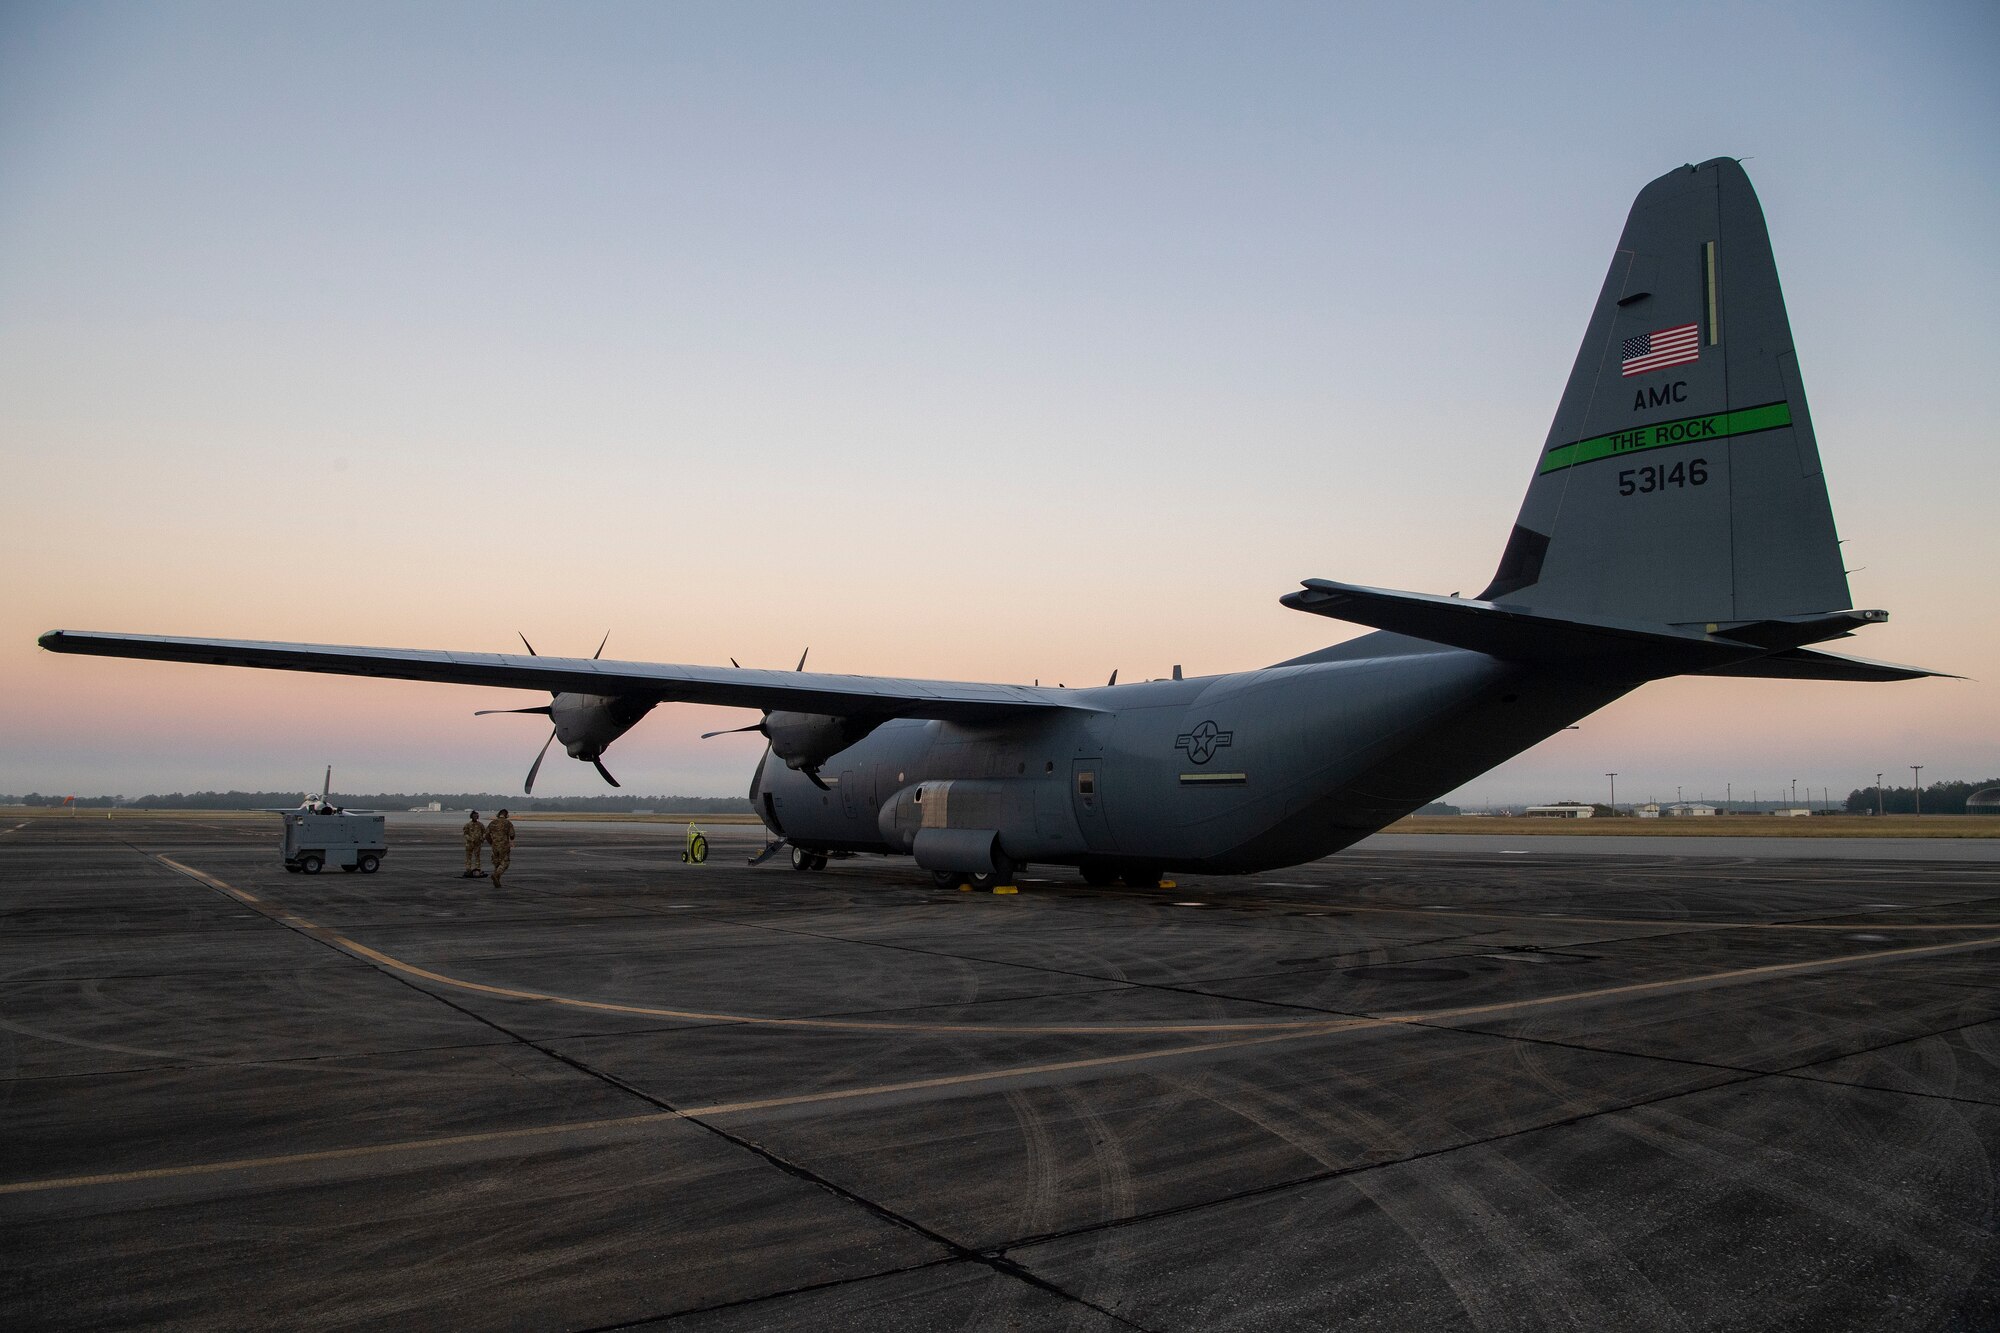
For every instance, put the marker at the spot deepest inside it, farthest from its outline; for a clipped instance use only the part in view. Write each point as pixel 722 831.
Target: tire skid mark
pixel 1488 1229
pixel 1301 1027
pixel 1267 1033
pixel 1474 1294
pixel 1802 1179
pixel 1116 1195
pixel 1041 1166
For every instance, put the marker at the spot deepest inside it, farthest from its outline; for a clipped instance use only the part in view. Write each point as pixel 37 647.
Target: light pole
pixel 1795 791
pixel 1917 781
pixel 1614 791
pixel 1729 796
pixel 1878 796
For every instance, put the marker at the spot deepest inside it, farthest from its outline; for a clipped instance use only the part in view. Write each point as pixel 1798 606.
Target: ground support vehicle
pixel 314 841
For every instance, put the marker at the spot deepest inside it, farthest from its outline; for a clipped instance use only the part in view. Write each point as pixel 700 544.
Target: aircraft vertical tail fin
pixel 1680 482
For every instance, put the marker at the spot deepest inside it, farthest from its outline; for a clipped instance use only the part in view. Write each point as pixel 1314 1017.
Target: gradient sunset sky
pixel 993 342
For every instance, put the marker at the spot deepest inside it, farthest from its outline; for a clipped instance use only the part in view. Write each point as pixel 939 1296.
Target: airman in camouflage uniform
pixel 500 832
pixel 475 835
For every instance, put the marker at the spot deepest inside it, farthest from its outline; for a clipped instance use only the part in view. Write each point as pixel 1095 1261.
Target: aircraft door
pixel 1087 795
pixel 852 799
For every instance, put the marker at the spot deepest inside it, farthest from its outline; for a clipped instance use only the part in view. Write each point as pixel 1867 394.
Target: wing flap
pixel 735 687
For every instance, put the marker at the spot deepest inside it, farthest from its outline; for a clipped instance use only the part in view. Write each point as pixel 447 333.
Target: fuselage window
pixel 1086 783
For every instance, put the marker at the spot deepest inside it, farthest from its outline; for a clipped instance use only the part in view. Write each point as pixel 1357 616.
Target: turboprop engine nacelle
pixel 587 723
pixel 807 740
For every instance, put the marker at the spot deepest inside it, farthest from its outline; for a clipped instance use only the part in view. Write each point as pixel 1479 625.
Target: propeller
pixel 528 788
pixel 763 724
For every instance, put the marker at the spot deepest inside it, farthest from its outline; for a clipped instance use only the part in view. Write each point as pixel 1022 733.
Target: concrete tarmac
pixel 1409 1086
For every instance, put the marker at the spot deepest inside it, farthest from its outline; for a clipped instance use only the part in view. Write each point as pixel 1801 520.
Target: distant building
pixel 1796 812
pixel 1983 802
pixel 1648 811
pixel 1687 809
pixel 1561 810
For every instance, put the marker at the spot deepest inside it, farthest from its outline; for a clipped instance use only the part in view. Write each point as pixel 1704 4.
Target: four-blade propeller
pixel 762 724
pixel 763 727
pixel 546 710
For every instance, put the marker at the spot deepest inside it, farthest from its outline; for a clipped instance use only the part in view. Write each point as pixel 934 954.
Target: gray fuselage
pixel 1234 773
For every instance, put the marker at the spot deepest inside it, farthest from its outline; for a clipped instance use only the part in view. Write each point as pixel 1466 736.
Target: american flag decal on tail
pixel 1661 348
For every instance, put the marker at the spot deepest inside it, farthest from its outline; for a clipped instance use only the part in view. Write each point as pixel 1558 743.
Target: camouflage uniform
pixel 475 834
pixel 500 832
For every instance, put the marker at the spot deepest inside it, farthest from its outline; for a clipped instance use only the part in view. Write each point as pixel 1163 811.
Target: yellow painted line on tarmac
pixel 1326 1027
pixel 1680 923
pixel 826 1024
pixel 1704 979
pixel 329 1155
pixel 655 1117
pixel 409 969
pixel 220 886
pixel 1291 1032
pixel 1292 1026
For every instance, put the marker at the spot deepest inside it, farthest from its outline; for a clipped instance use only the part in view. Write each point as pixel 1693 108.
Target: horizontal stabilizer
pixel 1810 664
pixel 1514 633
pixel 1517 633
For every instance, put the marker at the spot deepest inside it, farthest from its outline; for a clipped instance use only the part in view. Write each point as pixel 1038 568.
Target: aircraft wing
pixel 734 687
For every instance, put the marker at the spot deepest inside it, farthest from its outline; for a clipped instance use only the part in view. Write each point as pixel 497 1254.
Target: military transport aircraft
pixel 1676 524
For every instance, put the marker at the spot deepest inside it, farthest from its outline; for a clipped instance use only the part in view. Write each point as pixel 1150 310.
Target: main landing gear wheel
pixel 806 859
pixel 947 879
pixel 1142 877
pixel 1099 876
pixel 1002 873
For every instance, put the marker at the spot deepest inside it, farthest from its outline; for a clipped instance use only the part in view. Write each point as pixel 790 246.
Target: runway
pixel 1426 1083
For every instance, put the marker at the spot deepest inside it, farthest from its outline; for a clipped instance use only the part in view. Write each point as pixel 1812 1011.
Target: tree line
pixel 1939 798
pixel 457 800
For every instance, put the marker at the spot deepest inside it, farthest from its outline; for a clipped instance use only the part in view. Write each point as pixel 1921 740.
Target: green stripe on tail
pixel 1688 430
